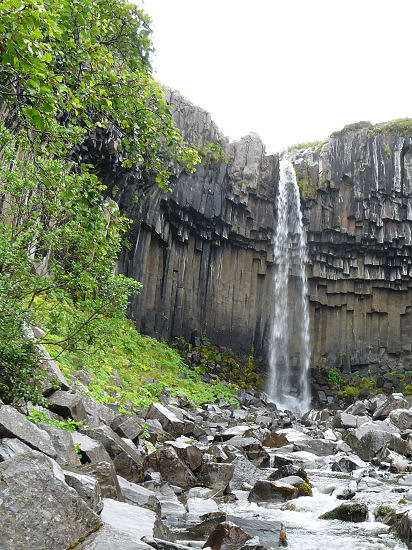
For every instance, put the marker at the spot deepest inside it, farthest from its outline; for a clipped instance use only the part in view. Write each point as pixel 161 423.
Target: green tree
pixel 70 70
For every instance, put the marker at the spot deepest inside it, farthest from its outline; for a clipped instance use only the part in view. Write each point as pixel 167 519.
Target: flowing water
pixel 289 351
pixel 304 529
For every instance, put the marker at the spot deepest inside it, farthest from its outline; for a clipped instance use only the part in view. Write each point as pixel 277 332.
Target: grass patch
pixel 306 145
pixel 145 365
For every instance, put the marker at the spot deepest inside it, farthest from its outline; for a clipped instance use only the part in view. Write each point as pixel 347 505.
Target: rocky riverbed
pixel 223 476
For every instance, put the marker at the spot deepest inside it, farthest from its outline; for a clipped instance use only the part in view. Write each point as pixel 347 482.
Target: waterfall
pixel 289 348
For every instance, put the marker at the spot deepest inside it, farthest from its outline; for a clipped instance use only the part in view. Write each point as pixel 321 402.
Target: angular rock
pixel 169 421
pixel 105 474
pixel 215 475
pixel 288 470
pixel 109 538
pixel 227 536
pixel 38 509
pixel 394 401
pixel 62 442
pixel 269 532
pixel 160 544
pixel 10 447
pixel 197 507
pixel 129 427
pixel 172 469
pixel 280 438
pixel 14 424
pixel 91 450
pixel 187 452
pixel 87 487
pixel 401 418
pixel 97 413
pixel 347 463
pixel 244 473
pixel 318 447
pixel 127 460
pixel 134 521
pixel 273 491
pixel 68 405
pixel 402 525
pixel 138 495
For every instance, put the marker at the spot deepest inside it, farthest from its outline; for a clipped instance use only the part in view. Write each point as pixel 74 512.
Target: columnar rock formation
pixel 204 252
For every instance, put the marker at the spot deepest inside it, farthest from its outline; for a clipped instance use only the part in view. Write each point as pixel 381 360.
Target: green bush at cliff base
pixel 145 365
pixel 238 369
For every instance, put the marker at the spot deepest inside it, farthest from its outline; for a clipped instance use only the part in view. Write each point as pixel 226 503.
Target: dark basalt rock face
pixel 204 252
pixel 359 232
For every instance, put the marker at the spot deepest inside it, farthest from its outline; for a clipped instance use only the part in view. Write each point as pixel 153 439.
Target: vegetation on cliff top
pixel 70 70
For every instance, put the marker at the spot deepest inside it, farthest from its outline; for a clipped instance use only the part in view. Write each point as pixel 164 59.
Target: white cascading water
pixel 289 349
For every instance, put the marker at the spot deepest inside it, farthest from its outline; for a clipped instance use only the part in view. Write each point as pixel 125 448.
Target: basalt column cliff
pixel 204 252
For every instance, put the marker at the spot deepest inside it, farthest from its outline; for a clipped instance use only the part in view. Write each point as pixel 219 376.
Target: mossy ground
pixel 145 365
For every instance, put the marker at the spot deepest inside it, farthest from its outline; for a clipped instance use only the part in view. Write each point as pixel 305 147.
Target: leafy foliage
pixel 70 70
pixel 147 367
pixel 36 416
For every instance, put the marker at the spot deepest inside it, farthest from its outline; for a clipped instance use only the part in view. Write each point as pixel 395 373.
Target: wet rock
pixel 38 509
pixel 252 448
pixel 14 424
pixel 318 447
pixel 68 405
pixel 359 408
pixel 87 487
pixel 353 512
pixel 402 525
pixel 215 475
pixel 367 440
pixel 269 532
pixel 197 507
pixel 273 491
pixel 227 536
pixel 160 544
pixel 288 470
pixel 235 431
pixel 347 463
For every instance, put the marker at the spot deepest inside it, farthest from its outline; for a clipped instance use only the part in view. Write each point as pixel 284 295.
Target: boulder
pixel 215 475
pixel 62 442
pixel 68 405
pixel 161 544
pixel 126 458
pixel 227 536
pixel 138 495
pixel 134 521
pixel 318 447
pixel 38 509
pixel 128 426
pixel 393 402
pixel 354 512
pixel 347 463
pixel 10 447
pixel 109 538
pixel 87 487
pixel 402 525
pixel 197 507
pixel 187 452
pixel 90 450
pixel 288 470
pixel 235 431
pixel 14 424
pixel 280 438
pixel 97 413
pixel 168 419
pixel 252 448
pixel 105 474
pixel 275 491
pixel 401 418
pixel 269 532
pixel 367 440
pixel 172 469
pixel 245 474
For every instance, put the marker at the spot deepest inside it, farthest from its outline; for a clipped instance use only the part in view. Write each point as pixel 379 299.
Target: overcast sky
pixel 290 70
